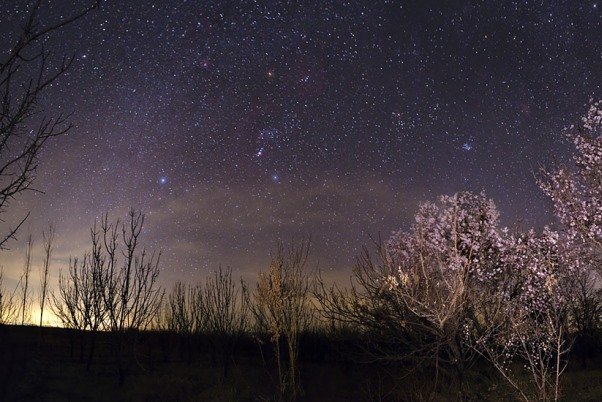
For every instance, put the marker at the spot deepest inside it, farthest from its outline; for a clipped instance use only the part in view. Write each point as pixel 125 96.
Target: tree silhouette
pixel 282 309
pixel 8 306
pixel 25 73
pixel 48 238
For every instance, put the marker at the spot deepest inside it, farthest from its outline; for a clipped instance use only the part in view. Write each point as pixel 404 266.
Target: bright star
pixel 163 180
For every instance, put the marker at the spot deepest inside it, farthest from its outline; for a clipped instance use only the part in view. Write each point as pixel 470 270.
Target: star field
pixel 232 124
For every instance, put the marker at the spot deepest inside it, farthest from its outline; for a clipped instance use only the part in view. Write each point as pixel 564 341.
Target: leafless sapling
pixel 48 238
pixel 281 306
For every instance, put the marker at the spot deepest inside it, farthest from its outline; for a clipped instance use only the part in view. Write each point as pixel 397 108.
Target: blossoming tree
pixel 577 191
pixel 456 284
pixel 426 284
pixel 529 326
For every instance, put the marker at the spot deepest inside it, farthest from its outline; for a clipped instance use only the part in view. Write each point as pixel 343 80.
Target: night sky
pixel 233 124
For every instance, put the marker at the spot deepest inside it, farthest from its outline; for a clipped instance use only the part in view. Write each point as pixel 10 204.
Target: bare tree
pixel 48 238
pixel 129 286
pixel 114 287
pixel 25 73
pixel 127 282
pixel 184 310
pixel 226 313
pixel 225 308
pixel 8 307
pixel 183 313
pixel 399 321
pixel 216 308
pixel 586 309
pixel 282 308
pixel 78 304
pixel 24 282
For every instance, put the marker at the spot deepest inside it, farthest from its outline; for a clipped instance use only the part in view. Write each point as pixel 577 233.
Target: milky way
pixel 233 124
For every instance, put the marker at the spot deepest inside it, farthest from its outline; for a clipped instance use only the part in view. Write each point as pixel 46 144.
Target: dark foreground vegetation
pixel 50 364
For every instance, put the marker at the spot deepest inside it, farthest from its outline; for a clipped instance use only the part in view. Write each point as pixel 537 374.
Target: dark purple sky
pixel 232 124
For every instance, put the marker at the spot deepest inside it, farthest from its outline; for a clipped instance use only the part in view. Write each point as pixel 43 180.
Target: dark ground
pixel 49 364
